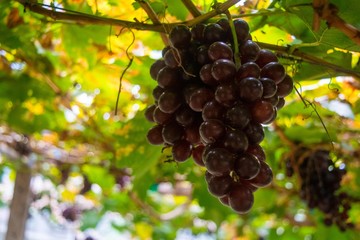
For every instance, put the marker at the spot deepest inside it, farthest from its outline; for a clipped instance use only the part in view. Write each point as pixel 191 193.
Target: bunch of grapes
pixel 211 102
pixel 320 180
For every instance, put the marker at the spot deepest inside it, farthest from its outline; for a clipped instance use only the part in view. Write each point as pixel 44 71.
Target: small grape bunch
pixel 320 181
pixel 208 108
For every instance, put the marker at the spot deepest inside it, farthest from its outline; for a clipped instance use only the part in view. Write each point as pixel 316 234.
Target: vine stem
pixel 83 18
pixel 153 17
pixel 236 43
pixel 192 8
pixel 308 58
pixel 329 12
pixel 283 137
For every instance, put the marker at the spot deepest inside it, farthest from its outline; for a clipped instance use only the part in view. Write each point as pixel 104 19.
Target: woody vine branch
pixel 322 10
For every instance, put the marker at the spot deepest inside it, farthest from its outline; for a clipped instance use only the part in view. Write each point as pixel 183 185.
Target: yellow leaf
pixel 68 196
pixel 34 106
pixel 143 230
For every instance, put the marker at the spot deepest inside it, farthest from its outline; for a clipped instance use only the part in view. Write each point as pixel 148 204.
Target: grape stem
pixel 236 43
pixel 153 17
pixel 192 8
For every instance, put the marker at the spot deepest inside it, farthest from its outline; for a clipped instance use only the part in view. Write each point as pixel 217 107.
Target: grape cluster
pixel 208 107
pixel 320 182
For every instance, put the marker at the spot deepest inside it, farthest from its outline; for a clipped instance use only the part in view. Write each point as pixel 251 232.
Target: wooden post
pixel 19 205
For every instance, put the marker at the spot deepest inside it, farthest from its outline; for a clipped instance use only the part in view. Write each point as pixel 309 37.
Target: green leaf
pixel 331 37
pixel 177 9
pixel 100 176
pixel 310 135
pixel 76 37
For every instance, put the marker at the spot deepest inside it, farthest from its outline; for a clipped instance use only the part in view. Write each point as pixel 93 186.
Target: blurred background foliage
pixel 58 85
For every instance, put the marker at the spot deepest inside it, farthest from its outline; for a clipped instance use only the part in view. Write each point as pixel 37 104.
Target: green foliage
pixel 58 85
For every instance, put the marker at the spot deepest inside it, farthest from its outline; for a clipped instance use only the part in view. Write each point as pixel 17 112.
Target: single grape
pixel 262 111
pixel 181 150
pixel 247 166
pixel 197 155
pixel 272 118
pixel 168 77
pixel 207 149
pixel 257 151
pixel 223 69
pixel 211 130
pixel 241 199
pixel 249 51
pixel 219 161
pixel 242 29
pixel 235 141
pixel 264 177
pixel 202 56
pixel 280 104
pixel 213 32
pixel 189 89
pixel 199 98
pixel 180 36
pixel 225 94
pixel 238 116
pixel 249 69
pixel 197 32
pixel 220 50
pixel 274 100
pixel 154 135
pixel 185 116
pixel 157 91
pixel 206 76
pixel 173 58
pixel 213 110
pixel 219 186
pixel 254 132
pixel 285 87
pixel 264 57
pixel 149 113
pixel 250 89
pixel 170 101
pixel 192 134
pixel 156 67
pixel 208 176
pixel 224 23
pixel 274 71
pixel 161 117
pixel 269 87
pixel 165 49
pixel 172 132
